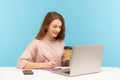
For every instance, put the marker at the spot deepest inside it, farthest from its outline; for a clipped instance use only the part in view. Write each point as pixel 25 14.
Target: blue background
pixel 87 22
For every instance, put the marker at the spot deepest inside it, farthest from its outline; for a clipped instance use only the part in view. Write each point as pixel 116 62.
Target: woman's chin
pixel 55 36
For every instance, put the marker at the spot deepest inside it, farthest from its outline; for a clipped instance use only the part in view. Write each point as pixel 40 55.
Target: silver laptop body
pixel 85 60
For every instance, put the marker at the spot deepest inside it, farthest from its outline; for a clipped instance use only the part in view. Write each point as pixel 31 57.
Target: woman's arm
pixel 28 55
pixel 28 58
pixel 35 65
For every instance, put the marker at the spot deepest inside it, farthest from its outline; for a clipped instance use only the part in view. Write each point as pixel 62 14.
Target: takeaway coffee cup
pixel 67 52
pixel 67 56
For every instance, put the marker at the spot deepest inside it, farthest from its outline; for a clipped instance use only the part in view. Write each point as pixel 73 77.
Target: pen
pixel 45 57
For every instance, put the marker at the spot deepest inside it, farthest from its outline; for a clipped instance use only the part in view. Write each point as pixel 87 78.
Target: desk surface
pixel 12 73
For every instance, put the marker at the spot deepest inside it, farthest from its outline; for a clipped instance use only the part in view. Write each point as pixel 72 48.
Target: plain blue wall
pixel 87 22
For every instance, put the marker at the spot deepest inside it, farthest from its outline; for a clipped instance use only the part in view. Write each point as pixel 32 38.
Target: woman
pixel 46 50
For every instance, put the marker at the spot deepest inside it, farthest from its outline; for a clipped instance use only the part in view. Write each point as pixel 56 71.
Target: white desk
pixel 12 73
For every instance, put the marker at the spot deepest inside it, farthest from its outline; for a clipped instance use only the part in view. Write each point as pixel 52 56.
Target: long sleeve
pixel 28 54
pixel 34 51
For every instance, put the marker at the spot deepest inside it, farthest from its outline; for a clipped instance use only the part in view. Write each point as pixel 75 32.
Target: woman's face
pixel 54 28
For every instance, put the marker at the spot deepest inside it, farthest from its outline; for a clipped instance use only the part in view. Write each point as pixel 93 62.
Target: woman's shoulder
pixel 35 41
pixel 61 42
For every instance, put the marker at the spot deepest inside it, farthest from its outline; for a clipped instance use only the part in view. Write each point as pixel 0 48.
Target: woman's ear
pixel 45 30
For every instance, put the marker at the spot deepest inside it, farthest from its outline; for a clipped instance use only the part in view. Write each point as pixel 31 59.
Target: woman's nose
pixel 58 29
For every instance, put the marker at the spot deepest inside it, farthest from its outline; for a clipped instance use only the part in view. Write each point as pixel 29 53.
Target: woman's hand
pixel 65 61
pixel 50 64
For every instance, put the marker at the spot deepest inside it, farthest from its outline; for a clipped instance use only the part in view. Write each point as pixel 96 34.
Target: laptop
pixel 85 59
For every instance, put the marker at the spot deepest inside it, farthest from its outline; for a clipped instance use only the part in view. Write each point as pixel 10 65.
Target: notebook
pixel 85 59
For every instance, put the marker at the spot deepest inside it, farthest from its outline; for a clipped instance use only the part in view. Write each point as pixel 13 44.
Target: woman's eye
pixel 55 26
pixel 60 27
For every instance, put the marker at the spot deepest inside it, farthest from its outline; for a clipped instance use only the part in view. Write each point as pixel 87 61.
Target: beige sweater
pixel 36 48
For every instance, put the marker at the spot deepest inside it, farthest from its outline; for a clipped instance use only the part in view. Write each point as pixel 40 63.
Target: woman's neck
pixel 49 39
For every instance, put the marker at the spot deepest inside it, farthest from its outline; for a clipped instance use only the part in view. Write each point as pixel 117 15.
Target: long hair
pixel 50 16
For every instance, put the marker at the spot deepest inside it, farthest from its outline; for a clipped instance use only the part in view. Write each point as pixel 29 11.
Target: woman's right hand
pixel 49 64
